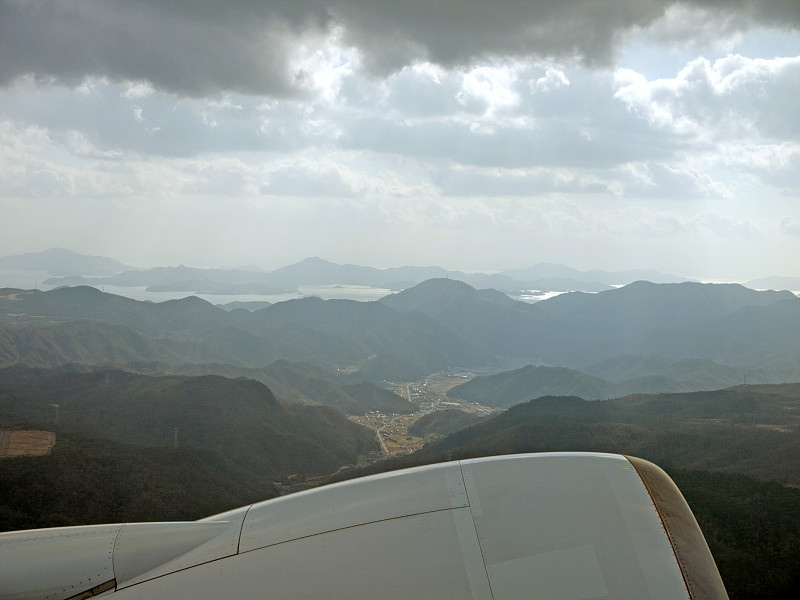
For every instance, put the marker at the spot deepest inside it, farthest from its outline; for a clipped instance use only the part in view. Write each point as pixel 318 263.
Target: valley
pixel 429 395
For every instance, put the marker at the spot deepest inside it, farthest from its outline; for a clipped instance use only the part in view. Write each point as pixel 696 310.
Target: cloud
pixel 202 47
pixel 191 48
pixel 157 123
pixel 732 97
pixel 490 182
pixel 655 180
pixel 311 180
pixel 506 115
pixel 648 223
pixel 790 226
pixel 729 227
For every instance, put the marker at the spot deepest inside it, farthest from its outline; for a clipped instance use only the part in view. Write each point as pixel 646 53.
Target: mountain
pixel 695 374
pixel 775 283
pixel 292 382
pixel 486 319
pixel 73 269
pixel 87 342
pixel 302 382
pixel 726 323
pixel 552 271
pixel 248 306
pixel 239 419
pixel 184 279
pixel 443 422
pixel 186 330
pixel 650 375
pixel 59 261
pixel 33 307
pixel 316 271
pixel 754 336
pixel 88 481
pixel 366 337
pixel 564 284
pixel 512 387
pixel 650 319
pixel 745 429
pixel 211 287
pixel 438 324
pixel 648 305
pixel 399 345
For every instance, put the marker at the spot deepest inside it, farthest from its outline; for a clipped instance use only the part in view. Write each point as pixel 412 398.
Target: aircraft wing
pixel 550 526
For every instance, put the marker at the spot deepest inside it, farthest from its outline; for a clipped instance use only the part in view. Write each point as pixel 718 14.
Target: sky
pixel 474 135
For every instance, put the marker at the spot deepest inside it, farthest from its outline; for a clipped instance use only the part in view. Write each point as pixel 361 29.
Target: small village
pixel 429 394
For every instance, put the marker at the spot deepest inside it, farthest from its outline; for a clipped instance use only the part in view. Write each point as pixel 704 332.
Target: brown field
pixel 15 295
pixel 441 384
pixel 26 443
pixel 781 428
pixel 392 431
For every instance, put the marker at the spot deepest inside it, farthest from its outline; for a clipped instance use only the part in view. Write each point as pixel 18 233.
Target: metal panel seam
pixel 241 529
pixel 310 535
pixel 114 551
pixel 477 535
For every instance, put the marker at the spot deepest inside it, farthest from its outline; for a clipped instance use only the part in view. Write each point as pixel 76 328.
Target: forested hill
pixel 754 430
pixel 438 324
pixel 508 388
pixel 85 325
pixel 239 419
pixel 86 481
pixel 295 382
pixel 729 324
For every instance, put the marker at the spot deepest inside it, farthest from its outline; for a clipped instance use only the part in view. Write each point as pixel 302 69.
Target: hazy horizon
pixel 599 135
pixel 7 275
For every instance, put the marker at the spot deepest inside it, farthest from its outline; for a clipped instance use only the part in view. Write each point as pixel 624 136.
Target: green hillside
pixel 380 342
pixel 296 382
pixel 750 429
pixel 512 387
pixel 443 422
pixel 728 324
pixel 88 481
pixel 239 419
pixel 655 375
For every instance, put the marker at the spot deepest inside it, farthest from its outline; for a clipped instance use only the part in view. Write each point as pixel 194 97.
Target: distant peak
pixel 445 283
pixel 315 260
pixel 57 250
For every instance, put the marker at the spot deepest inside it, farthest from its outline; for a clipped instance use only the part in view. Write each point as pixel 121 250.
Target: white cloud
pixel 790 226
pixel 553 79
pixel 312 180
pixel 136 90
pixel 730 98
pixel 669 181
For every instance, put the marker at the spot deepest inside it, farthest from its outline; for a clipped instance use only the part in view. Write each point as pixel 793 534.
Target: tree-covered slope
pixel 443 422
pixel 86 481
pixel 237 418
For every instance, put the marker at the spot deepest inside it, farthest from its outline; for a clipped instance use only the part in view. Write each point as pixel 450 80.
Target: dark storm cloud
pixel 199 47
pixel 189 47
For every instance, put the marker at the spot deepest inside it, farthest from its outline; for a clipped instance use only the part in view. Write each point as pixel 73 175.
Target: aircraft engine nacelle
pixel 551 526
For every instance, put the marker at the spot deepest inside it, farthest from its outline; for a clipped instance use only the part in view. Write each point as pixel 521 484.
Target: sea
pixel 362 293
pixel 29 280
